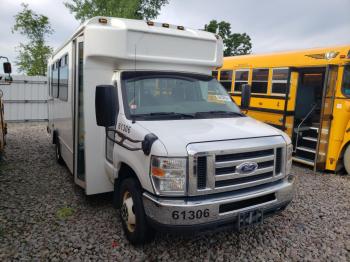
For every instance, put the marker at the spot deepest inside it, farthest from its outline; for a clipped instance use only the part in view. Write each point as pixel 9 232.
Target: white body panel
pixel 122 44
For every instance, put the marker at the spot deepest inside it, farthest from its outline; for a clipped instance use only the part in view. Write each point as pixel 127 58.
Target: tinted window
pixel 226 75
pixel 55 81
pixel 346 81
pixel 227 85
pixel 149 93
pixel 241 78
pixel 260 79
pixel 279 80
pixel 280 74
pixel 260 74
pixel 259 87
pixel 63 79
pixel 241 75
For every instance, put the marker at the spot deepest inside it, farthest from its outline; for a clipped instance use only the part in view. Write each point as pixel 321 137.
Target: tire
pixel 132 213
pixel 346 160
pixel 58 155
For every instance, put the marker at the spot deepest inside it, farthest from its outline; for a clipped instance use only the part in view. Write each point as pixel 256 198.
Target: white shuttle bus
pixel 134 110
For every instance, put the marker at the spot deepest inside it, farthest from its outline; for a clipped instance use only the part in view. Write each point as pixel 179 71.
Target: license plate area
pixel 249 218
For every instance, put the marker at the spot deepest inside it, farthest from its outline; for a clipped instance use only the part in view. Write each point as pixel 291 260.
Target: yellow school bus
pixel 306 93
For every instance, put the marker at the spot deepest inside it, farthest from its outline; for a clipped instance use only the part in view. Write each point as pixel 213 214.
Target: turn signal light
pixel 156 171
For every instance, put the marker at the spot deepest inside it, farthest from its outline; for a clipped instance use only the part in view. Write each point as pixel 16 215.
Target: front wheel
pixel 347 159
pixel 132 213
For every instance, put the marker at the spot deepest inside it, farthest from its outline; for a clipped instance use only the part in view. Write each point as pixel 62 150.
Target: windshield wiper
pixel 165 114
pixel 219 112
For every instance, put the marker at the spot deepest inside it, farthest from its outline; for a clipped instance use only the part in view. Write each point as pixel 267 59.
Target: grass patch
pixel 64 212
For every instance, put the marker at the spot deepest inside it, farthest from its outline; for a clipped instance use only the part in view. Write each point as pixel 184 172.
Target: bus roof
pixel 297 58
pixel 129 42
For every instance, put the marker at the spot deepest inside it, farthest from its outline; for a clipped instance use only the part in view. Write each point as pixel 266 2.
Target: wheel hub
pixel 127 212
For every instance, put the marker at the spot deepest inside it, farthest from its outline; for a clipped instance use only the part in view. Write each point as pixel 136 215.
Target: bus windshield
pixel 167 95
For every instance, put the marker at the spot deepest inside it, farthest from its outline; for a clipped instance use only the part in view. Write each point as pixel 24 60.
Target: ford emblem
pixel 246 167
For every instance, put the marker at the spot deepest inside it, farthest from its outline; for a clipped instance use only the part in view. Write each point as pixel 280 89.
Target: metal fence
pixel 25 99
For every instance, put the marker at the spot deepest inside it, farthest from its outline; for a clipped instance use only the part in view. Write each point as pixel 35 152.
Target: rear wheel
pixel 347 159
pixel 58 153
pixel 132 213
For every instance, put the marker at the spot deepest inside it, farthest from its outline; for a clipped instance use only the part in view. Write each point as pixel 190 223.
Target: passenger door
pixel 326 116
pixel 79 133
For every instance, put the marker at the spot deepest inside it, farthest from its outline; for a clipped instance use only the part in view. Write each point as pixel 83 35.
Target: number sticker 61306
pixel 191 214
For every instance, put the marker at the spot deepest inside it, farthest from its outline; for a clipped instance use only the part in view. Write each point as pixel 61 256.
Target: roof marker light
pixel 165 25
pixel 150 23
pixel 180 27
pixel 102 20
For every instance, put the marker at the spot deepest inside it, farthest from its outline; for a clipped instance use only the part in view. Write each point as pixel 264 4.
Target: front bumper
pixel 209 210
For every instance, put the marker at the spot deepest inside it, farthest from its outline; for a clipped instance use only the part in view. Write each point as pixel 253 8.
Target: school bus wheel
pixel 347 159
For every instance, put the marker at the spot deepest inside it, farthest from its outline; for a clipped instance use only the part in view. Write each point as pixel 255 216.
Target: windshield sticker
pixel 223 98
pixel 133 106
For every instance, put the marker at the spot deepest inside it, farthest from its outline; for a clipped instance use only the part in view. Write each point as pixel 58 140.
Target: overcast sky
pixel 273 25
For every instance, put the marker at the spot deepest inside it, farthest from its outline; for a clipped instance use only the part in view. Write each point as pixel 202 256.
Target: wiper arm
pixel 220 112
pixel 165 114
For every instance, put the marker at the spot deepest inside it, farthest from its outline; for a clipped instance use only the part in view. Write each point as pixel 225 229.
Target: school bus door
pixel 326 116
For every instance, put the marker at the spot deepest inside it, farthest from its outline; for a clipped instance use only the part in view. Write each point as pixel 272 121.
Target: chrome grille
pixel 213 165
pixel 227 175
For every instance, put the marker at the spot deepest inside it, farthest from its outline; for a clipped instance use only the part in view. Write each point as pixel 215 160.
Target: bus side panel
pixel 62 113
pixel 340 132
pixel 97 71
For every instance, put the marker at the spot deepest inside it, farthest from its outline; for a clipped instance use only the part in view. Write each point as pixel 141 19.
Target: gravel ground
pixel 44 216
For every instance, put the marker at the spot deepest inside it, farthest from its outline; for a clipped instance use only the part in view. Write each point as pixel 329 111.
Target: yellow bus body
pixel 280 110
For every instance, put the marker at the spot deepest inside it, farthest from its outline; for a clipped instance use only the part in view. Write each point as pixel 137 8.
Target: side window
pixel 226 79
pixel 51 68
pixel 346 81
pixel 241 78
pixel 63 79
pixel 260 80
pixel 214 74
pixel 279 80
pixel 55 80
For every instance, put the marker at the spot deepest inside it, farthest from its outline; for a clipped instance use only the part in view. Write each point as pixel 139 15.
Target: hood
pixel 177 134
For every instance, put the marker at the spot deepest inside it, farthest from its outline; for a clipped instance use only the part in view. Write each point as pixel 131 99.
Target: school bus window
pixel 226 79
pixel 279 80
pixel 260 79
pixel 226 75
pixel 214 74
pixel 346 81
pixel 241 78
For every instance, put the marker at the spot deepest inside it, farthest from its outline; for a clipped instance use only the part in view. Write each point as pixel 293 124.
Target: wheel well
pixel 341 155
pixel 125 171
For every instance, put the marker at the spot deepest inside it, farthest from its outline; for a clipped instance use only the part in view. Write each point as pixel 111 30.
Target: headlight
pixel 289 159
pixel 169 175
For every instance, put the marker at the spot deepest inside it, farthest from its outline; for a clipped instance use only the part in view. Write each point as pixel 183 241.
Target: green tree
pixel 234 43
pixel 33 55
pixel 134 9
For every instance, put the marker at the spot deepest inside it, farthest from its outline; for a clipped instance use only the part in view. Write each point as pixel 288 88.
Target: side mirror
pixel 106 105
pixel 245 97
pixel 7 68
